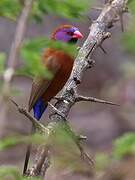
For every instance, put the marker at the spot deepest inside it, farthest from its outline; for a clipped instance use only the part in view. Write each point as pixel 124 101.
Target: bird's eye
pixel 70 33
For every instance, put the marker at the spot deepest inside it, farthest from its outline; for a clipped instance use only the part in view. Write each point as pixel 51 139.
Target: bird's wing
pixel 40 84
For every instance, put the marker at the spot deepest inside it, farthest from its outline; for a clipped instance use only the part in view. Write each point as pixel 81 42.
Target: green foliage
pixel 129 36
pixel 31 54
pixel 129 39
pixel 63 135
pixel 124 146
pixel 2 62
pixel 64 8
pixel 12 172
pixel 131 5
pixel 10 9
pixel 66 151
pixel 102 160
pixel 9 142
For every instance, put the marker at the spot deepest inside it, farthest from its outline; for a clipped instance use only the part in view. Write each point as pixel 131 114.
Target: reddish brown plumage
pixel 60 64
pixel 65 64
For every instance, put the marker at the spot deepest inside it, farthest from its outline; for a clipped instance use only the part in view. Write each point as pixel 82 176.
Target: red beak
pixel 77 35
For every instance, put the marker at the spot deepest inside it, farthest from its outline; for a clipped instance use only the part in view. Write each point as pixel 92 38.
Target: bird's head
pixel 66 33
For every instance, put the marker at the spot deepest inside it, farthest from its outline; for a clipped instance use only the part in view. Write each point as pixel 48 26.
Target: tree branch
pixel 42 158
pixel 92 99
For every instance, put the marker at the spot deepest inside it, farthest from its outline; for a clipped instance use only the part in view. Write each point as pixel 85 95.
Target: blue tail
pixel 39 108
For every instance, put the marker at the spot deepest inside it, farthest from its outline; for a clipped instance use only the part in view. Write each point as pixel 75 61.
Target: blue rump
pixel 39 108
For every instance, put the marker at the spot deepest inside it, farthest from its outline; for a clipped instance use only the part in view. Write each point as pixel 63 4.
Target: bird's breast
pixel 65 64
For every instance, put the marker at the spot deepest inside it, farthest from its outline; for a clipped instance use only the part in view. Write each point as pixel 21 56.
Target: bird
pixel 60 64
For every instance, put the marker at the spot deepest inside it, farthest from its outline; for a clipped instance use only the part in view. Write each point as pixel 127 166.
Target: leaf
pixel 10 172
pixel 10 9
pixel 31 54
pixel 9 142
pixel 13 172
pixel 131 5
pixel 102 160
pixel 64 8
pixel 128 38
pixel 2 62
pixel 124 146
pixel 129 42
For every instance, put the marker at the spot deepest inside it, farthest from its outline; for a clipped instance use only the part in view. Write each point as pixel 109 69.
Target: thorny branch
pixel 42 159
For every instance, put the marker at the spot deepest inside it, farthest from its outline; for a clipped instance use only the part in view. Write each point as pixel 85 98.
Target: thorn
pixel 91 63
pixel 85 156
pixel 89 18
pixel 13 102
pixel 87 55
pixel 108 1
pixel 92 99
pixel 121 22
pixel 110 25
pixel 97 8
pixel 104 51
pixel 106 35
pixel 77 81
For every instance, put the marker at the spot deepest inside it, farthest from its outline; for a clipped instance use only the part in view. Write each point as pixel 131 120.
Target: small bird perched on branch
pixel 60 64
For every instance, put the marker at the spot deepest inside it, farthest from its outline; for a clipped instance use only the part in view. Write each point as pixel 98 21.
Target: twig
pixel 92 99
pixel 104 51
pixel 97 8
pixel 23 111
pixel 121 22
pixel 86 157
